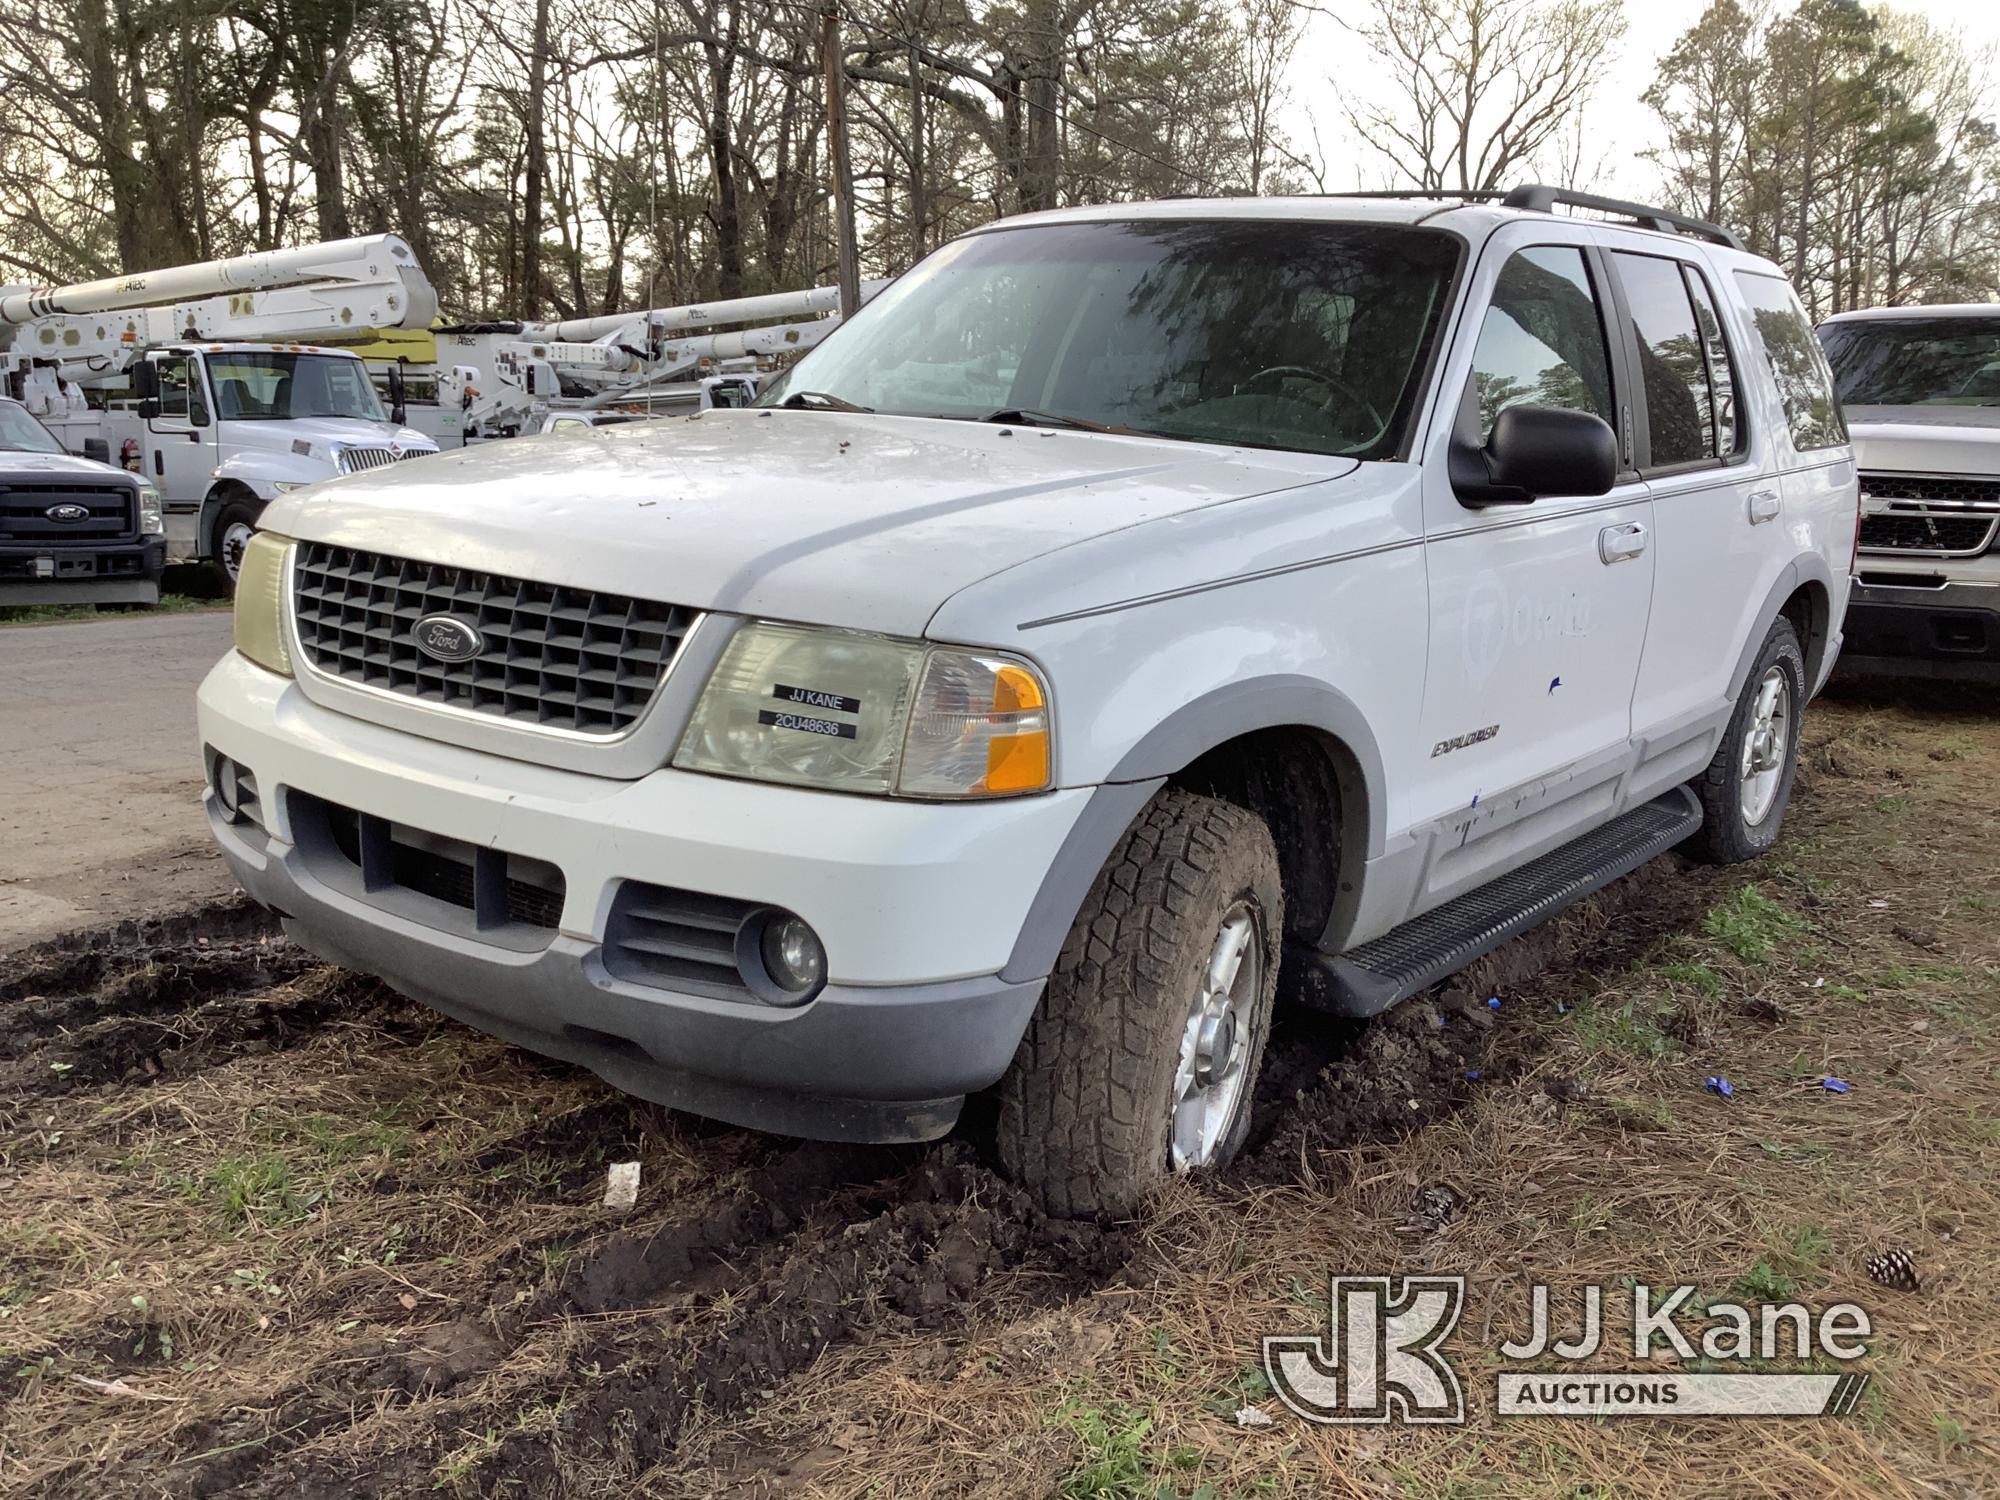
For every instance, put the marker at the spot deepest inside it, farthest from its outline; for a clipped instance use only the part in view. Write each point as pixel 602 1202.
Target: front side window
pixel 1805 384
pixel 1916 361
pixel 180 391
pixel 256 386
pixel 21 433
pixel 1302 336
pixel 1542 342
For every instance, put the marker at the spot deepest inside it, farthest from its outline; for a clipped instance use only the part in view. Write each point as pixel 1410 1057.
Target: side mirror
pixel 146 386
pixel 1536 451
pixel 398 409
pixel 98 449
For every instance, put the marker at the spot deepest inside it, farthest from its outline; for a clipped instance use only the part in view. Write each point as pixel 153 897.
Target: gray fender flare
pixel 1808 567
pixel 1190 731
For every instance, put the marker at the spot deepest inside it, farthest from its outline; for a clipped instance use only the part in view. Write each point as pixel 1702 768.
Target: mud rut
pixel 705 1309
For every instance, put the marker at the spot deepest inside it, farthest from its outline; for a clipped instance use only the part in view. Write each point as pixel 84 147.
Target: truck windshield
pixel 21 433
pixel 1916 361
pixel 1311 337
pixel 271 386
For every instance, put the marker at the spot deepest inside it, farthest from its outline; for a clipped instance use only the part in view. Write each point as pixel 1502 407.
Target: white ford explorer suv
pixel 1135 617
pixel 1921 387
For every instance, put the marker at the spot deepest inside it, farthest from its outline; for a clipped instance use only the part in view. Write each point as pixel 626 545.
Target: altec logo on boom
pixel 1381 1358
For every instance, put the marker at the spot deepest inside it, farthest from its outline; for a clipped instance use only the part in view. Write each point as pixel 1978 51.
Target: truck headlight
pixel 152 522
pixel 260 602
pixel 866 713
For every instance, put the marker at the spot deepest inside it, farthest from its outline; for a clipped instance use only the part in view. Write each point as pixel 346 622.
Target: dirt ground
pixel 100 772
pixel 272 1231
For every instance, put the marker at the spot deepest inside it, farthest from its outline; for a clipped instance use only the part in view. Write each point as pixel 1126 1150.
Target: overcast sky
pixel 1620 127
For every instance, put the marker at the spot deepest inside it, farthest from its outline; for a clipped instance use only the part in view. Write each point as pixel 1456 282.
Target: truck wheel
pixel 1745 788
pixel 1142 1058
pixel 228 535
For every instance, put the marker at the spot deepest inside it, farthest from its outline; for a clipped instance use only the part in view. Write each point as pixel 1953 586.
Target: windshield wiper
pixel 821 401
pixel 1027 416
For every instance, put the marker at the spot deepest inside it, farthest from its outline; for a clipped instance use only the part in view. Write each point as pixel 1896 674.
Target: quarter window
pixel 1721 368
pixel 1543 338
pixel 1673 360
pixel 1805 384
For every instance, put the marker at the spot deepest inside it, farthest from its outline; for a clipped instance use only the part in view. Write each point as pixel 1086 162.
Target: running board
pixel 1369 979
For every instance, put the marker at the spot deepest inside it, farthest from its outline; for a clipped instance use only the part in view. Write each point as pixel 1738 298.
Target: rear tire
pixel 1142 1058
pixel 1747 785
pixel 235 519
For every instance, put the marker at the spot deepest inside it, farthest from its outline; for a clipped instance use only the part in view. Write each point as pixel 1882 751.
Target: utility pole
pixel 843 168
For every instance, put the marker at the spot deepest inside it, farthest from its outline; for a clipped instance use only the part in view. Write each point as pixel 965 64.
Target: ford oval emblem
pixel 67 515
pixel 447 638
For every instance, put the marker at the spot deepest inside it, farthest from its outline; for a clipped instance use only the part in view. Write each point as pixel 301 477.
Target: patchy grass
pixel 68 614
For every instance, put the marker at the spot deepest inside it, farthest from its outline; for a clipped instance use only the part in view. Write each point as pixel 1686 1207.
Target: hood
pixel 13 461
pixel 327 435
pixel 831 518
pixel 1926 439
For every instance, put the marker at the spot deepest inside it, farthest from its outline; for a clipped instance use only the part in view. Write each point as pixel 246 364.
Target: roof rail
pixel 1466 196
pixel 1540 199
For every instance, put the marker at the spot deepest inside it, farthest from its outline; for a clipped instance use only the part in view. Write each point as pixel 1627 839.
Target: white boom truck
pixel 506 378
pixel 216 381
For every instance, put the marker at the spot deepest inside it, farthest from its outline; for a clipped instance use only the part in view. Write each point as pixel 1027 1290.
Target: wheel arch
pixel 1293 750
pixel 220 494
pixel 1802 594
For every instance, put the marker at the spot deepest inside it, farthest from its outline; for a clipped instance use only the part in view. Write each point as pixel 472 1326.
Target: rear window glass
pixel 1673 364
pixel 1805 384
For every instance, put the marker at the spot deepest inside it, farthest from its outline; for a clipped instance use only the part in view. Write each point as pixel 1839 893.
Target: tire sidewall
pixel 1781 648
pixel 235 507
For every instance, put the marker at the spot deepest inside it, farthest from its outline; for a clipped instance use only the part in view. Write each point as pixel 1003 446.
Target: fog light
pixel 793 956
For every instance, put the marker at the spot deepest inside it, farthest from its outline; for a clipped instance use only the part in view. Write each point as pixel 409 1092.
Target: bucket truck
pixel 502 379
pixel 222 384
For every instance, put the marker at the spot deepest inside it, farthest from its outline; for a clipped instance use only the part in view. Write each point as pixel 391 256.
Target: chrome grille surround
pixel 560 660
pixel 1929 515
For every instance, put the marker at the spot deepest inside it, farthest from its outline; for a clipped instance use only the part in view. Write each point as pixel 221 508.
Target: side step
pixel 1367 980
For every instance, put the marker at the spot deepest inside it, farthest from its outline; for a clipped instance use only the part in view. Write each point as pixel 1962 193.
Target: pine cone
pixel 1894 1268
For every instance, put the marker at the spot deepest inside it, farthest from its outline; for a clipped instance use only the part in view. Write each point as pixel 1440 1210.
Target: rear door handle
pixel 1763 506
pixel 1617 543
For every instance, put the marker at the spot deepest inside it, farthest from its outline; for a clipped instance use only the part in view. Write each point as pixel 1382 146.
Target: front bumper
pixel 1949 632
pixel 93 573
pixel 919 907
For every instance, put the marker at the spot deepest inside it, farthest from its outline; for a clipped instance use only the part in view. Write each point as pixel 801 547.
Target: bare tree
pixel 1475 89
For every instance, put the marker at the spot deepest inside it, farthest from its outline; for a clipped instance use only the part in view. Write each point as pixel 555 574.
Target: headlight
pixel 260 602
pixel 151 521
pixel 865 713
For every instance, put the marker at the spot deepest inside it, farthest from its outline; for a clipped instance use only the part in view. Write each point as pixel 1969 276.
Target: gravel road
pixel 99 771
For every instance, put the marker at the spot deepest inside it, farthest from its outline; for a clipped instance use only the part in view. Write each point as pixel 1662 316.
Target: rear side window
pixel 1805 384
pixel 1674 361
pixel 1721 368
pixel 1543 338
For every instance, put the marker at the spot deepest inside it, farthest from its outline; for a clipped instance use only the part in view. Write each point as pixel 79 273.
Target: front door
pixel 180 440
pixel 1538 611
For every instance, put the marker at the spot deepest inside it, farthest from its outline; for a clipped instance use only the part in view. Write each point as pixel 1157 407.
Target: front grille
pixel 1940 515
pixel 354 460
pixel 553 657
pixel 497 888
pixel 24 513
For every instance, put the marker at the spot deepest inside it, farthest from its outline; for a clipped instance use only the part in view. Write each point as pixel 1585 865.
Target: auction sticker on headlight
pixel 806 723
pixel 814 698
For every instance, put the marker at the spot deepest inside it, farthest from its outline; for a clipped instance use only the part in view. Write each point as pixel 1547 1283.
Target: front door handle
pixel 1617 543
pixel 1763 506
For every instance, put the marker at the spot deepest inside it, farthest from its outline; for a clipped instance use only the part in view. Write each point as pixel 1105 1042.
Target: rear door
pixel 1538 611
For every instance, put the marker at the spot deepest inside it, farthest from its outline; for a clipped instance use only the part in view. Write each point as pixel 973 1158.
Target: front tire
pixel 1747 785
pixel 1142 1058
pixel 228 534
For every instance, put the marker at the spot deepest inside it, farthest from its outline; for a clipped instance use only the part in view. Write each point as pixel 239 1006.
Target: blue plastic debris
pixel 1492 1002
pixel 1835 1085
pixel 1722 1086
pixel 1472 1073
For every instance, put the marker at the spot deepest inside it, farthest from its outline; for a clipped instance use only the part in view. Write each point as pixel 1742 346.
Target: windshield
pixel 1310 337
pixel 1916 361
pixel 267 387
pixel 21 433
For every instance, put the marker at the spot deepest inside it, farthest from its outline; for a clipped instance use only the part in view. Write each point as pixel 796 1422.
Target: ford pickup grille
pixel 41 512
pixel 551 657
pixel 1931 515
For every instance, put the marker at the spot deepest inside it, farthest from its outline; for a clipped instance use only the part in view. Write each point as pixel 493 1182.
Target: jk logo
pixel 1379 1360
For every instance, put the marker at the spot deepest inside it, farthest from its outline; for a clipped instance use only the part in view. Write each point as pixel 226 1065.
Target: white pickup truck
pixel 1136 616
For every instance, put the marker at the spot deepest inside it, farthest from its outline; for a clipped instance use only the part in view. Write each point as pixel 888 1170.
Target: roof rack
pixel 1540 199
